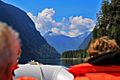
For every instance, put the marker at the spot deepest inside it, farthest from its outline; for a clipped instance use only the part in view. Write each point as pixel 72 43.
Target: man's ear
pixel 19 54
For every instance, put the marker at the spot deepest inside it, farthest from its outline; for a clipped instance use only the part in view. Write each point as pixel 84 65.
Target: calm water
pixel 66 63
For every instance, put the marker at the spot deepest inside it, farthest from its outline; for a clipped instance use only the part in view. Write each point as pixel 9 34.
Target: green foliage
pixel 108 20
pixel 44 53
pixel 75 54
pixel 102 20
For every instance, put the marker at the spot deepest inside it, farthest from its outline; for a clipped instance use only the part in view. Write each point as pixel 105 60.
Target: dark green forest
pixel 75 54
pixel 108 20
pixel 107 24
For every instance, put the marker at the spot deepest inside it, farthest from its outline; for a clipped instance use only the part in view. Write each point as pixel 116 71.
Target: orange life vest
pixel 26 78
pixel 89 72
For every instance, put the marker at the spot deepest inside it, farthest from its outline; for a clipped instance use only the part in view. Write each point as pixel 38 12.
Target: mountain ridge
pixel 64 43
pixel 34 46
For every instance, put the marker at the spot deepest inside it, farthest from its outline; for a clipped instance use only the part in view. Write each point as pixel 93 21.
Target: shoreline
pixel 70 58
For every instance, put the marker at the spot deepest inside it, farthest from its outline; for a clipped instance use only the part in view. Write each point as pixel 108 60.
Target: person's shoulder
pixel 108 58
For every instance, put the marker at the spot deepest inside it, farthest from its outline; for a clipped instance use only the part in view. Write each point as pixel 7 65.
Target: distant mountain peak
pixel 65 43
pixel 50 33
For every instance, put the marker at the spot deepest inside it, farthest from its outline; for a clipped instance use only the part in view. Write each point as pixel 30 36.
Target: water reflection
pixel 51 61
pixel 66 63
pixel 69 63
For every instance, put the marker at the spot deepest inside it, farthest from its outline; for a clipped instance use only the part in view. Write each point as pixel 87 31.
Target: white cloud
pixel 55 30
pixel 73 26
pixel 44 21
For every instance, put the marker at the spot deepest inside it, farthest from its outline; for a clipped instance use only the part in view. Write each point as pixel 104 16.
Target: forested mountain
pixel 75 54
pixel 85 43
pixel 34 46
pixel 64 43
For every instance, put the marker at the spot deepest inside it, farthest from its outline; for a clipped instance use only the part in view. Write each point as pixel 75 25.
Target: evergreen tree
pixel 114 23
pixel 75 54
pixel 102 20
pixel 108 20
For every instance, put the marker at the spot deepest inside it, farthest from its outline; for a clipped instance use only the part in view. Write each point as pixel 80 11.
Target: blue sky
pixel 63 8
pixel 68 17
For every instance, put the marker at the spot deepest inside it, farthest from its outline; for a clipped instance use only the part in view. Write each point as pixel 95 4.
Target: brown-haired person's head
pixel 9 51
pixel 102 45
